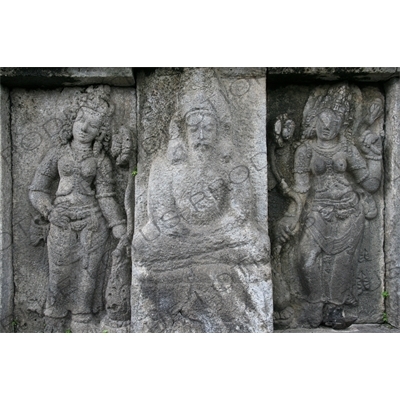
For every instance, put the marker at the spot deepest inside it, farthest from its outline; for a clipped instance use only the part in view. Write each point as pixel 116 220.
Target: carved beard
pixel 203 153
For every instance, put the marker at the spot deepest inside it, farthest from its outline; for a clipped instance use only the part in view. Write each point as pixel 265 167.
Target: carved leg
pixel 309 269
pixel 310 279
pixel 59 245
pixel 91 271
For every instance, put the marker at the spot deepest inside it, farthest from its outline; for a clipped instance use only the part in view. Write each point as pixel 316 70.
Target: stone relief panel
pixel 201 250
pixel 73 154
pixel 326 204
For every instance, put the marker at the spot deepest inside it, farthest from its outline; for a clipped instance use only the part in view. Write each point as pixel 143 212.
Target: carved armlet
pixel 375 158
pixel 105 195
pixel 363 177
pixel 116 223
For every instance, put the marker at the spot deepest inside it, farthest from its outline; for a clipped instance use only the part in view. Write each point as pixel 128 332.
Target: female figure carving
pixel 81 212
pixel 333 182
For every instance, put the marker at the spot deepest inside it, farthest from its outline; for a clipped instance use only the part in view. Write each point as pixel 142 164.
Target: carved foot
pixel 83 323
pixel 334 317
pixel 313 314
pixel 113 326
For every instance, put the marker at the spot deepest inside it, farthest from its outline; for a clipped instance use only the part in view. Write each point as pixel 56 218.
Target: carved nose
pixel 85 125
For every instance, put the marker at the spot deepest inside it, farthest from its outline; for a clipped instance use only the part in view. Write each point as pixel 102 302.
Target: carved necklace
pixel 81 154
pixel 328 153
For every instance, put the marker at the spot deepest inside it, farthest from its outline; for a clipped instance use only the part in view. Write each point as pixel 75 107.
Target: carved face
pixel 201 130
pixel 86 126
pixel 288 129
pixel 328 125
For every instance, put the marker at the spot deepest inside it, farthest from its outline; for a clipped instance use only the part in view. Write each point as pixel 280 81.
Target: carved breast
pixel 88 168
pixel 321 165
pixel 76 176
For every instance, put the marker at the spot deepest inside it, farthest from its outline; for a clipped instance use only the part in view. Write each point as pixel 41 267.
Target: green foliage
pixel 134 173
pixel 385 294
pixel 68 331
pixel 385 318
pixel 105 331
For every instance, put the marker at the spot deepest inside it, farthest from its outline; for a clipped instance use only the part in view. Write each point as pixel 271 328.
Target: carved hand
pixel 119 231
pixel 122 250
pixel 371 144
pixel 58 216
pixel 286 228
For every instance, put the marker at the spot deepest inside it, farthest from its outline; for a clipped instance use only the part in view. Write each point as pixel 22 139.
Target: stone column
pixel 6 274
pixel 392 197
pixel 201 249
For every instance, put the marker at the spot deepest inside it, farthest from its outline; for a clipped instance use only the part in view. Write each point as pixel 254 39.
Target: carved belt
pixel 83 216
pixel 342 208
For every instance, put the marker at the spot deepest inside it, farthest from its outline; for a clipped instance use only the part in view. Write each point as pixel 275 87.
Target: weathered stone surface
pixel 392 200
pixel 6 273
pixel 368 74
pixel 200 249
pixel 67 76
pixel 326 204
pixel 72 160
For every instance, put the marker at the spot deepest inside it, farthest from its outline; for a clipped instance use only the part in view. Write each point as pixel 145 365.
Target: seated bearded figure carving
pixel 201 249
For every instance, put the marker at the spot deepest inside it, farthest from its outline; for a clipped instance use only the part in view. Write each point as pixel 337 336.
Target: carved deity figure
pixel 201 247
pixel 330 200
pixel 73 190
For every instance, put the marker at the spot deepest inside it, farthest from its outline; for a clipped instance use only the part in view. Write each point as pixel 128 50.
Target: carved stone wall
pixel 150 203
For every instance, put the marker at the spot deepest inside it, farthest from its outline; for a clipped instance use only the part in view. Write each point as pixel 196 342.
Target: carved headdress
pixel 200 94
pixel 97 100
pixel 336 98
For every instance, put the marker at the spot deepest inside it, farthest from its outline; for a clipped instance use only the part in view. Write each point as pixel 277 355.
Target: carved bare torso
pixel 76 179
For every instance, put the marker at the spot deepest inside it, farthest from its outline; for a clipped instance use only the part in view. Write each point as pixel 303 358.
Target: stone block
pixel 66 76
pixel 309 74
pixel 6 270
pixel 392 202
pixel 201 249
